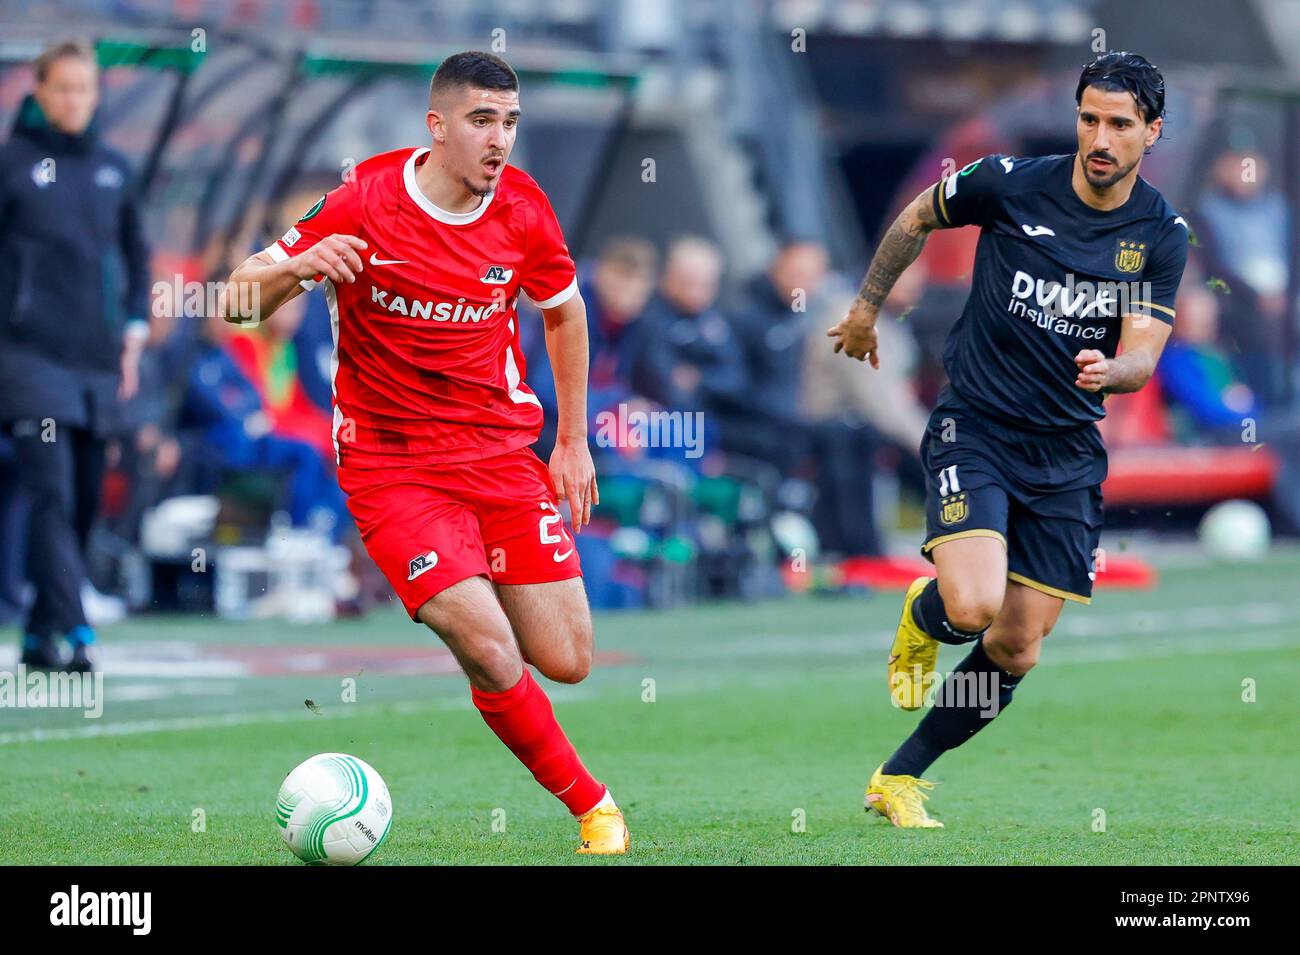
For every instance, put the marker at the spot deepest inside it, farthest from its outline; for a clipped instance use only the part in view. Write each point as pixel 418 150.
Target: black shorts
pixel 1040 494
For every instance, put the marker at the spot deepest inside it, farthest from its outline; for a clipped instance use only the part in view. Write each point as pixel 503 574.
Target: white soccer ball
pixel 333 809
pixel 1235 530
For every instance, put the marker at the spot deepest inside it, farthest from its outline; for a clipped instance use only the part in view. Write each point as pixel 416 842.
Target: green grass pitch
pixel 764 725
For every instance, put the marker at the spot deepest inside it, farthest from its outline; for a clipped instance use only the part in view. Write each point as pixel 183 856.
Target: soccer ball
pixel 333 809
pixel 1235 530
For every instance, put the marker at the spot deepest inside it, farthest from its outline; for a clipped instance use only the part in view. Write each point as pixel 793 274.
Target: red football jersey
pixel 427 364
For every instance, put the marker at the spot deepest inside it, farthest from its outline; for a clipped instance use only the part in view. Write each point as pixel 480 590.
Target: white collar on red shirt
pixel 437 212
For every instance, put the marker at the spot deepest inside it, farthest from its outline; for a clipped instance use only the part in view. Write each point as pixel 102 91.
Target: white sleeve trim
pixel 278 255
pixel 559 298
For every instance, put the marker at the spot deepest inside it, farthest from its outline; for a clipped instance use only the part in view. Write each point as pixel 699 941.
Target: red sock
pixel 523 719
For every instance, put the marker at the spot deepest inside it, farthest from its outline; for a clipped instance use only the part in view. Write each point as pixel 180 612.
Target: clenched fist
pixel 1094 370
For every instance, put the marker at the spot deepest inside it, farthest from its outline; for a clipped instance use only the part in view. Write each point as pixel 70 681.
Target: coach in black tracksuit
pixel 74 282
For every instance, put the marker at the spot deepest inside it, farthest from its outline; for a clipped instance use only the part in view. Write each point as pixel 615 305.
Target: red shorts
pixel 431 526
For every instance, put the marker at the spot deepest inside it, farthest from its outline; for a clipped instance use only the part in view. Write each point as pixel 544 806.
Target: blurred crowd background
pixel 722 171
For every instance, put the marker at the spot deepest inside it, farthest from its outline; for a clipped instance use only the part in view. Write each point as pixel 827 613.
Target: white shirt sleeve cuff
pixel 278 254
pixel 559 298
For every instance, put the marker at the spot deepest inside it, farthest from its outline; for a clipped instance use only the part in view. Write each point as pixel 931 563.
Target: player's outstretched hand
pixel 855 335
pixel 574 475
pixel 1093 369
pixel 336 257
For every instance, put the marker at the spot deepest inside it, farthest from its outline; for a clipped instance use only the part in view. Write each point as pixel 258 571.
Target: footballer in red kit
pixel 430 374
pixel 422 254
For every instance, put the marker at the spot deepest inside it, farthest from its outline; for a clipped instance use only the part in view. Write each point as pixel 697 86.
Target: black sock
pixel 957 714
pixel 929 614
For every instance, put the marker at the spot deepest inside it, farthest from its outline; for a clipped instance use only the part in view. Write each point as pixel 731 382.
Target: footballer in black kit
pixel 1013 446
pixel 1077 256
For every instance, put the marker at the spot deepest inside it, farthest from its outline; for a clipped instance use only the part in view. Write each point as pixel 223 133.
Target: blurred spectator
pixel 884 398
pixel 778 324
pixel 622 282
pixel 877 408
pixel 313 344
pixel 74 293
pixel 1194 372
pixel 1243 226
pixel 1214 406
pixel 685 354
pixel 268 356
pixel 236 427
pixel 615 288
pixel 772 324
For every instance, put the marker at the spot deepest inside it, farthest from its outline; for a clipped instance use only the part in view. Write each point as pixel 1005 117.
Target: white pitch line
pixel 134 727
pixel 1258 641
pixel 1070 655
pixel 1078 647
pixel 1077 626
pixel 178 723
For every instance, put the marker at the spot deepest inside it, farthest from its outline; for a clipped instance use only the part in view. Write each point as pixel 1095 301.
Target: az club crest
pixel 953 509
pixel 1130 255
pixel 421 563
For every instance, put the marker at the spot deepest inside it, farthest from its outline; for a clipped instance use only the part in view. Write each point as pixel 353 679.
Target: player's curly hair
pixel 1126 73
pixel 475 69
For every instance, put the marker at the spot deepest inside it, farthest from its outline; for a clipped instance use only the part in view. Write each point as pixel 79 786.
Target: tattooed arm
pixel 855 335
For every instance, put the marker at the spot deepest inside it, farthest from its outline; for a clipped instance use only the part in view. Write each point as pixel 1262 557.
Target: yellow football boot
pixel 913 656
pixel 900 799
pixel 603 832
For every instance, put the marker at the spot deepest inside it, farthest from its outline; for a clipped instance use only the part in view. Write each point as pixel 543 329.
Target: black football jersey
pixel 1052 276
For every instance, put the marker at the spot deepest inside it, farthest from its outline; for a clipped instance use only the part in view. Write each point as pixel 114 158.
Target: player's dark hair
pixel 475 70
pixel 1126 73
